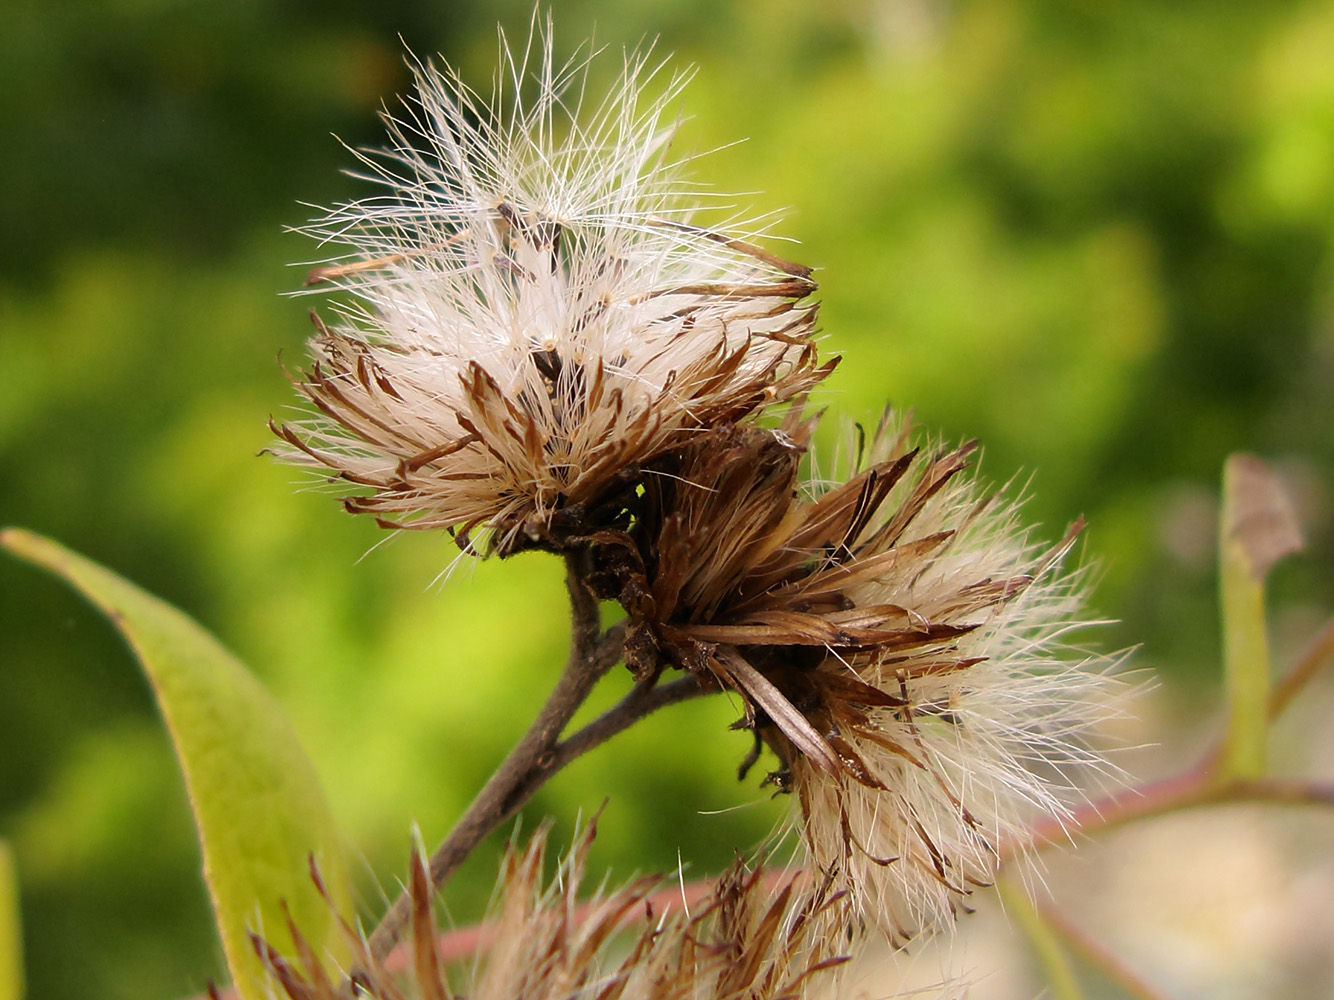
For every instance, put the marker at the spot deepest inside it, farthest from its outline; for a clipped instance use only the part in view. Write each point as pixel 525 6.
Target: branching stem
pixel 528 764
pixel 1196 787
pixel 643 700
pixel 1200 785
pixel 541 753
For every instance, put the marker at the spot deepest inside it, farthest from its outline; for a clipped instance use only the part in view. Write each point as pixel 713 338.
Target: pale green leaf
pixel 11 940
pixel 1256 529
pixel 258 805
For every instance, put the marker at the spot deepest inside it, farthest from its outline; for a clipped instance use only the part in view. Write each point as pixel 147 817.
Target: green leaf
pixel 1256 529
pixel 11 940
pixel 258 805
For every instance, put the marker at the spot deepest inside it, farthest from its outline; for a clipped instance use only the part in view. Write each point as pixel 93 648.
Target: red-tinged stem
pixel 1194 788
pixel 1202 784
pixel 541 753
pixel 1317 652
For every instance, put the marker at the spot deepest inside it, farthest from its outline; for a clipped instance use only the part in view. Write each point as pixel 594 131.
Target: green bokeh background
pixel 1098 237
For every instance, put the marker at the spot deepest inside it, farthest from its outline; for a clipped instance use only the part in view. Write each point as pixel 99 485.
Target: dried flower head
pixel 536 309
pixel 897 640
pixel 756 936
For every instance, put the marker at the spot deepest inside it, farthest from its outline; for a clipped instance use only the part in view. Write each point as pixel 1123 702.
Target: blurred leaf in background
pixel 1097 237
pixel 11 935
pixel 263 820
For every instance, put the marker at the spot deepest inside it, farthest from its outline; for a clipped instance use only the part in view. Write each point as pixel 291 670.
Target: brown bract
pixel 531 310
pixel 758 936
pixel 895 640
pixel 542 452
pixel 733 573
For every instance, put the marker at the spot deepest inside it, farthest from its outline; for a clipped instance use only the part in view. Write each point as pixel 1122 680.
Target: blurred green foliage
pixel 1098 237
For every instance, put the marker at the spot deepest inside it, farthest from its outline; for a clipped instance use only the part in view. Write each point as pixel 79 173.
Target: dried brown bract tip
pixel 536 311
pixel 897 640
pixel 758 935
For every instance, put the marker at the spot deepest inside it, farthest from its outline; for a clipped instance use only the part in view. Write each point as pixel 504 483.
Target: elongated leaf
pixel 11 940
pixel 258 804
pixel 1256 529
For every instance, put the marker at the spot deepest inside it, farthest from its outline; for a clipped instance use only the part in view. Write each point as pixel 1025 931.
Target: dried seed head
pixel 536 309
pixel 898 642
pixel 757 935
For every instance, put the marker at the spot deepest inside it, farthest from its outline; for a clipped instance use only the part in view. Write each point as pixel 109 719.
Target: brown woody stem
pixel 643 700
pixel 530 763
pixel 541 754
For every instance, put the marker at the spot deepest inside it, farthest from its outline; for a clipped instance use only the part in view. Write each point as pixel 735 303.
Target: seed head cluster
pixel 756 935
pixel 534 312
pixel 897 641
pixel 543 346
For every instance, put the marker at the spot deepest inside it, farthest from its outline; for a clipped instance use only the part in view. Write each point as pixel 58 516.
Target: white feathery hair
pixel 754 934
pixel 998 728
pixel 899 640
pixel 534 307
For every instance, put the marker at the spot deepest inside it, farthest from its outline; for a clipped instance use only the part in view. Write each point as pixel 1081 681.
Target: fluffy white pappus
pixel 981 734
pixel 897 639
pixel 534 306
